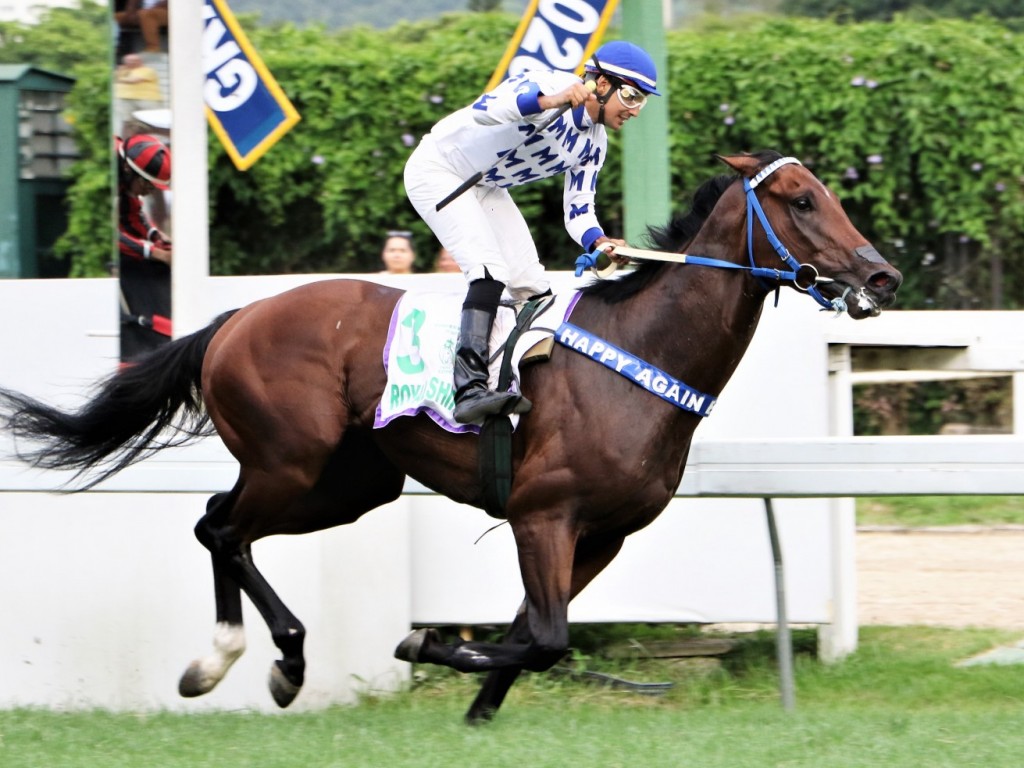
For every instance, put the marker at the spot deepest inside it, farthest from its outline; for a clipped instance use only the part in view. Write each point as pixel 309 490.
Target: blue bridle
pixel 803 276
pixel 754 208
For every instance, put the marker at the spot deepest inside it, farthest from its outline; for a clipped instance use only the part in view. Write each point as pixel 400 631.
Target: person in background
pixel 152 20
pixel 144 267
pixel 136 87
pixel 398 254
pixel 149 16
pixel 445 262
pixel 483 228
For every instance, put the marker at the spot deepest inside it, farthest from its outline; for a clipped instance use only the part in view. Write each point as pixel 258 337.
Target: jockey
pixel 144 267
pixel 144 165
pixel 483 229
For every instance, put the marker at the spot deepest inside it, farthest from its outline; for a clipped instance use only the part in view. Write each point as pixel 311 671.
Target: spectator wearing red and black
pixel 144 167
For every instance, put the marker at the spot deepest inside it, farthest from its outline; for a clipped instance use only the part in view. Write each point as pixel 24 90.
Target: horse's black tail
pixel 123 422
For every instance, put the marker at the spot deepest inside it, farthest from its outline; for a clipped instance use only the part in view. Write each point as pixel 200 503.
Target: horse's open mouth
pixel 864 302
pixel 858 303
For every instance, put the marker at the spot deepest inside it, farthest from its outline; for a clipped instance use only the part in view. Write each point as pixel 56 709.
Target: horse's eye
pixel 802 204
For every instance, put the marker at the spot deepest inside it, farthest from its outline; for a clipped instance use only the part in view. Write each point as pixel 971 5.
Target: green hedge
pixel 918 126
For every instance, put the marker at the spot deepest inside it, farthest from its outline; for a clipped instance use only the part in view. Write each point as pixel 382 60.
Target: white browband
pixel 768 170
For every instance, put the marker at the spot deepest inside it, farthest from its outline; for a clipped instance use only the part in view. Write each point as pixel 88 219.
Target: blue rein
pixel 797 274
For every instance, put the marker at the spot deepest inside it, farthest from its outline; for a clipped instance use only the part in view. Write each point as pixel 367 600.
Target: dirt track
pixel 943 577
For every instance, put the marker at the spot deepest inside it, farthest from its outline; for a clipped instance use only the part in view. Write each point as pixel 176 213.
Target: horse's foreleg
pixel 545 560
pixel 203 675
pixel 591 559
pixel 498 681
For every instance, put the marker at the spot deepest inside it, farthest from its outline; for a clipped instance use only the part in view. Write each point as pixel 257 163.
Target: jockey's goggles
pixel 630 96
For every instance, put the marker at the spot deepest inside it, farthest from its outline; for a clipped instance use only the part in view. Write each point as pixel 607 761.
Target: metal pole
pixel 784 640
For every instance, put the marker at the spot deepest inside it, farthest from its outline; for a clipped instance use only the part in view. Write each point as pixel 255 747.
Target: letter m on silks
pixel 245 106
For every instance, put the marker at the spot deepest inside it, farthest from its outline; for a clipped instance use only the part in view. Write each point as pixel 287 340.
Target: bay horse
pixel 291 384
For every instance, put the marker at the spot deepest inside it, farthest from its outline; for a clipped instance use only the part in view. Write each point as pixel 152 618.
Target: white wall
pixel 105 607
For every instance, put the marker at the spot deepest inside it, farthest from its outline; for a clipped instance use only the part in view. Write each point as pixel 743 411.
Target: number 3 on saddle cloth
pixel 420 352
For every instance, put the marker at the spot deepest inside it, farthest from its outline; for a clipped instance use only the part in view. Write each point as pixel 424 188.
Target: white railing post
pixel 839 638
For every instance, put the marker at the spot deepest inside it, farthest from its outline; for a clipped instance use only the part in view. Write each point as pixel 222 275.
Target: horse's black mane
pixel 673 237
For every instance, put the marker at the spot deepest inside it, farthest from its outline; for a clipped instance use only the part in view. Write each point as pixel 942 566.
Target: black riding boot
pixel 473 400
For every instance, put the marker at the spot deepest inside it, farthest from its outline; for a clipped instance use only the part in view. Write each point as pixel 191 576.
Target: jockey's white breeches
pixel 482 229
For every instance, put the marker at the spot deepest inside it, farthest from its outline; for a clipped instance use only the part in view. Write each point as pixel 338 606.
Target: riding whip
pixel 473 180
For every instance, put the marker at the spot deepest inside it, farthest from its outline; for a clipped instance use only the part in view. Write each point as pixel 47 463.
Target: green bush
pixel 916 125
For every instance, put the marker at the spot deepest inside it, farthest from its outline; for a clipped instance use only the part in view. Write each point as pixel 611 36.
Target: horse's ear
pixel 744 165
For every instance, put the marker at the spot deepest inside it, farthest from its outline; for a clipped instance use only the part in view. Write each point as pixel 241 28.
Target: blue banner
pixel 247 109
pixel 555 34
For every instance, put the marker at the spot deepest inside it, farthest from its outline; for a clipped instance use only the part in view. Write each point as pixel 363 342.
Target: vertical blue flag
pixel 555 34
pixel 246 107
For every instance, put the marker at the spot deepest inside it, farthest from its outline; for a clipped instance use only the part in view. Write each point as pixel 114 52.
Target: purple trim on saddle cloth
pixel 572 306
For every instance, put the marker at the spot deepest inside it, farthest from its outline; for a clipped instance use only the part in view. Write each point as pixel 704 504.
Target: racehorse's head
pixel 811 228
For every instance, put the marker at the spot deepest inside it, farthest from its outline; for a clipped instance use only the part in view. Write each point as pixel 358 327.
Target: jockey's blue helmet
pixel 628 61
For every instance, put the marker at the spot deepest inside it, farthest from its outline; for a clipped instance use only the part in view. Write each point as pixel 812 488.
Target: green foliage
pixel 916 125
pixel 89 239
pixel 64 39
pixel 886 10
pixel 322 199
pixel 944 202
pixel 892 116
pixel 376 13
pixel 925 407
pixel 76 41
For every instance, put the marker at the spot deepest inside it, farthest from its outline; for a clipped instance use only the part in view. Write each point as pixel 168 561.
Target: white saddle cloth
pixel 419 354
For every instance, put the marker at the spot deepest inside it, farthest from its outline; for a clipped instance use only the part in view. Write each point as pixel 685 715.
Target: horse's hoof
pixel 282 689
pixel 482 716
pixel 409 649
pixel 195 682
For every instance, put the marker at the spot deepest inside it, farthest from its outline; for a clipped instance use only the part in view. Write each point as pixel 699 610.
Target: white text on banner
pixel 247 109
pixel 555 34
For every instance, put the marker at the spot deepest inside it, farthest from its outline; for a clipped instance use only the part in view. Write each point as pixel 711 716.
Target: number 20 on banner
pixel 555 34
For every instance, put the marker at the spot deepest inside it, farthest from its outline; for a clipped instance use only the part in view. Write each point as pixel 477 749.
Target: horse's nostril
pixel 885 281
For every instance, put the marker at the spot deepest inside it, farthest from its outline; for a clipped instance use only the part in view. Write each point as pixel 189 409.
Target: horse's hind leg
pixel 233 571
pixel 203 675
pixel 354 479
